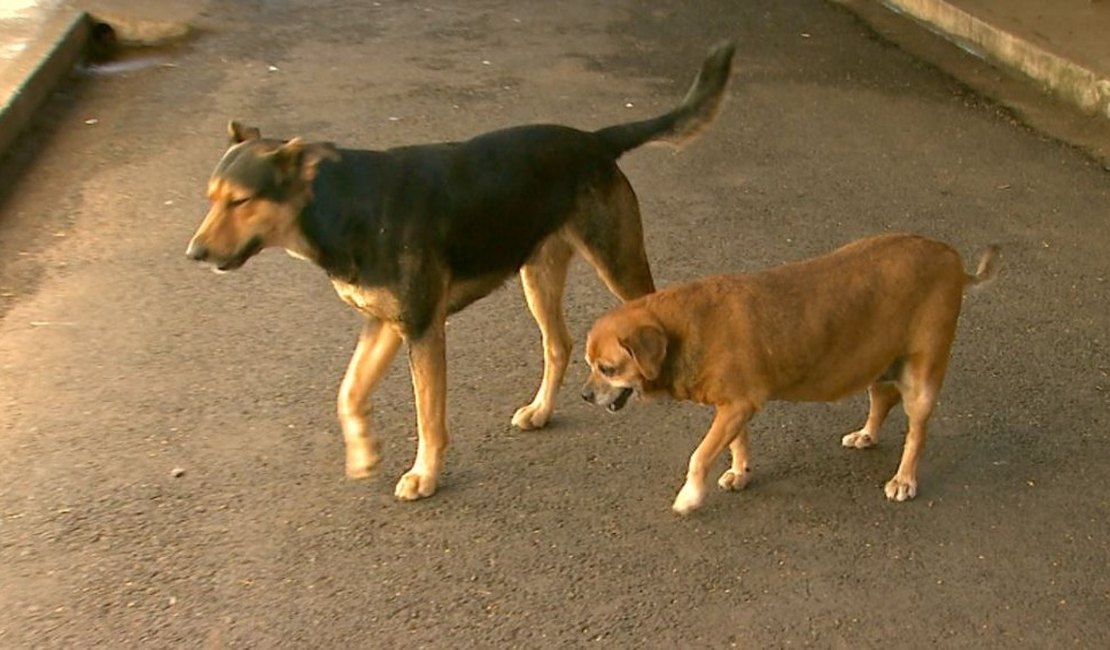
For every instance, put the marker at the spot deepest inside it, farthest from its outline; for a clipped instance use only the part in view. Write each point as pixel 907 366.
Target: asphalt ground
pixel 173 468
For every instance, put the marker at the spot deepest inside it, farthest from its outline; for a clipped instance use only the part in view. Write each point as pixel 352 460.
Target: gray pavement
pixel 1059 47
pixel 1063 45
pixel 170 463
pixel 40 42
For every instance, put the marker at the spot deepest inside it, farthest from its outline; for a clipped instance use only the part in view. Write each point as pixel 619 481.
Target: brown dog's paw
pixel 861 439
pixel 530 417
pixel 900 489
pixel 689 499
pixel 732 480
pixel 414 485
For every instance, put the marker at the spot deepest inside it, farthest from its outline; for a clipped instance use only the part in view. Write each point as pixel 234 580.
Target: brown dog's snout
pixel 197 251
pixel 588 393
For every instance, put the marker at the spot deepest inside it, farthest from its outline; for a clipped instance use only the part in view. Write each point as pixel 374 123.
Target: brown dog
pixel 879 313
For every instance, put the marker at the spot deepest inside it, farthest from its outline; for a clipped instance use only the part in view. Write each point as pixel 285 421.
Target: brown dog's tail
pixel 693 115
pixel 987 270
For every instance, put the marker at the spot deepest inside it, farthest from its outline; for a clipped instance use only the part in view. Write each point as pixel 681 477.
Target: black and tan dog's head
pixel 625 350
pixel 255 193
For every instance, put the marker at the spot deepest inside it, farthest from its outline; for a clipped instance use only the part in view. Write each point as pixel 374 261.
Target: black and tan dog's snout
pixel 196 251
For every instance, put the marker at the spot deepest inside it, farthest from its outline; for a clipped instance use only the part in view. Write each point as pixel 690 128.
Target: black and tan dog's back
pixel 412 234
pixel 879 313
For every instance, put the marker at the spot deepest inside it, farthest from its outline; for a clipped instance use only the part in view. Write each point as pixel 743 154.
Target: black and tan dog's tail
pixel 987 270
pixel 686 122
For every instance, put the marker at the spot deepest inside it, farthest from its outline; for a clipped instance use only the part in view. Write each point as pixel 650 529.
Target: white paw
pixel 531 416
pixel 858 440
pixel 688 499
pixel 414 485
pixel 899 489
pixel 732 480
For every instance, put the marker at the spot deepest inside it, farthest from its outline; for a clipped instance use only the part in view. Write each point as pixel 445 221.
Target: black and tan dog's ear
pixel 295 159
pixel 313 155
pixel 648 348
pixel 237 133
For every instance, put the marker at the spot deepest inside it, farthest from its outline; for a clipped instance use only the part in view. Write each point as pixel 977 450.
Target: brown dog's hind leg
pixel 903 486
pixel 377 345
pixel 730 420
pixel 884 395
pixel 921 387
pixel 737 476
pixel 607 230
pixel 428 364
pixel 543 278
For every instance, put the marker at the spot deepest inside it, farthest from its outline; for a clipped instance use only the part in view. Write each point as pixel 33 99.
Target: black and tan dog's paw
pixel 361 462
pixel 900 489
pixel 532 416
pixel 415 485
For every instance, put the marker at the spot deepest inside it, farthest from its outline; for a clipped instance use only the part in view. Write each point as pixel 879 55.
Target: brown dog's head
pixel 256 192
pixel 625 350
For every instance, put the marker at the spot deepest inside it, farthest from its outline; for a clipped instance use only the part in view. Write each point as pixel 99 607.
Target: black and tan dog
pixel 412 234
pixel 879 313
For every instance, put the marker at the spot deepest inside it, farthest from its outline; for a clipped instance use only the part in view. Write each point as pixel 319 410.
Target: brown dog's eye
pixel 608 371
pixel 238 202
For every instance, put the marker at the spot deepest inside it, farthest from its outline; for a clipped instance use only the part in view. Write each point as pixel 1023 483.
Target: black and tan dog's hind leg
pixel 377 346
pixel 544 278
pixel 606 229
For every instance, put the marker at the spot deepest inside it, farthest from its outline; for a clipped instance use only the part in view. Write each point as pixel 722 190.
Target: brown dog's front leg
pixel 428 363
pixel 730 420
pixel 377 345
pixel 736 477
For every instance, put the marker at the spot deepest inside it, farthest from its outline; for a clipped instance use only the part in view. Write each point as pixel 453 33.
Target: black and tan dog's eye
pixel 608 371
pixel 234 203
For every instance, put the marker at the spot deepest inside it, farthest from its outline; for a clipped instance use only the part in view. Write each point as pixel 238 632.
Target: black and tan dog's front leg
pixel 377 345
pixel 428 363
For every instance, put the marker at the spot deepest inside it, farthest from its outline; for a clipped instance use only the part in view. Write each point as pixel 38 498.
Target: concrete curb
pixel 1068 80
pixel 35 73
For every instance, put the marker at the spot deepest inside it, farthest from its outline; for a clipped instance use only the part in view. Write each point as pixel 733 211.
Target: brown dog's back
pixel 815 330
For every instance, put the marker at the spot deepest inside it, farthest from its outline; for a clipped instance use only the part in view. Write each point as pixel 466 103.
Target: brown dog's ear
pixel 237 133
pixel 648 347
pixel 295 159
